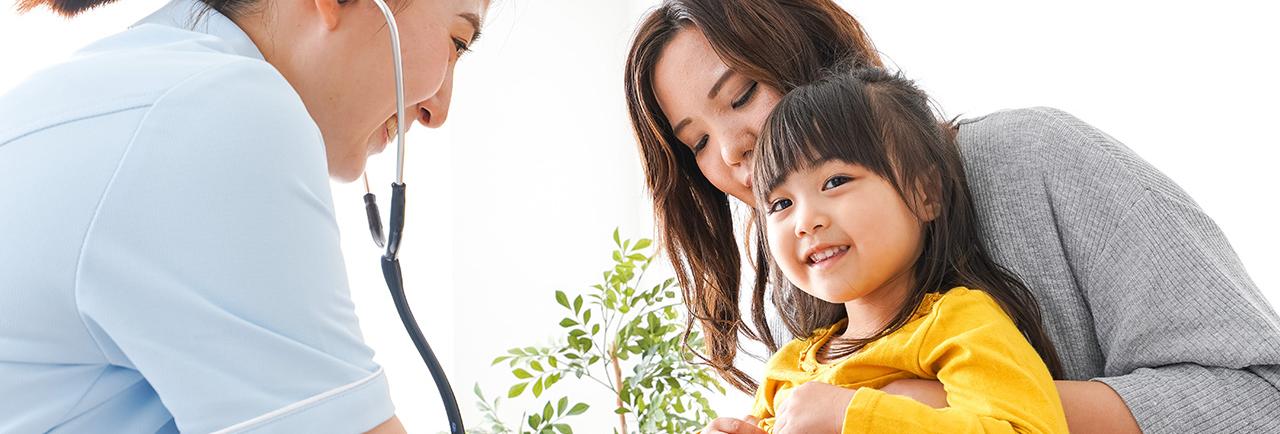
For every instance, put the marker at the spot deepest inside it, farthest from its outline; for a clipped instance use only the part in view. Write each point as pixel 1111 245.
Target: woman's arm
pixel 1090 406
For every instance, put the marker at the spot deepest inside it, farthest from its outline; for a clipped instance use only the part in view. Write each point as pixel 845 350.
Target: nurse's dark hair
pixel 71 8
pixel 885 124
pixel 779 43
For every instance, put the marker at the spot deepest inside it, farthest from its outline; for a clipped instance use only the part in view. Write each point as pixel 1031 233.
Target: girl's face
pixel 345 66
pixel 714 111
pixel 841 233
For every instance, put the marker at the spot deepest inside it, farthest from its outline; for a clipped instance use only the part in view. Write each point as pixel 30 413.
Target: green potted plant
pixel 623 337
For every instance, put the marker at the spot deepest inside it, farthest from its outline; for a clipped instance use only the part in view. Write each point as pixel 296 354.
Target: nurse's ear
pixel 330 11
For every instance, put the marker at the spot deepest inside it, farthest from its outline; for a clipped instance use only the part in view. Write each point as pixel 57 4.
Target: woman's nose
pixel 738 150
pixel 434 111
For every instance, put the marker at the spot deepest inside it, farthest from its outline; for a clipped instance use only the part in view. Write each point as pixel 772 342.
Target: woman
pixel 175 263
pixel 1107 244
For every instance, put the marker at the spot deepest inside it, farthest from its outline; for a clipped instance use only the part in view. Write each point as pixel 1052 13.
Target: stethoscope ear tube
pixel 390 259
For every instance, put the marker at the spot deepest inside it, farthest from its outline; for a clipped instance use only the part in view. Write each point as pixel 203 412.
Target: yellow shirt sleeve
pixel 995 380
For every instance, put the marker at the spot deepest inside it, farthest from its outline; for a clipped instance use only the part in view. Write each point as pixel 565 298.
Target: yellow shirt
pixel 995 380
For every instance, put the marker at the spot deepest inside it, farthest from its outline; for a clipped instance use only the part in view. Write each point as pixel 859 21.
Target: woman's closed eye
pixel 702 143
pixel 460 46
pixel 836 181
pixel 746 95
pixel 779 205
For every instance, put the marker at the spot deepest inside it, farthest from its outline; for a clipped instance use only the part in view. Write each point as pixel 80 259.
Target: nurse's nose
pixel 433 112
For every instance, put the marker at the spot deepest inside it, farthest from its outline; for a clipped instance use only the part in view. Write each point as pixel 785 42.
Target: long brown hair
pixel 780 43
pixel 883 122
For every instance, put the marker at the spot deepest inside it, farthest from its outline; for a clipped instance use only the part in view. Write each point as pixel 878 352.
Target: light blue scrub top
pixel 169 257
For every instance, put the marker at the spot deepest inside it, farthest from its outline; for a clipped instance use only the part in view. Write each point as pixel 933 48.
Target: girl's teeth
pixel 823 255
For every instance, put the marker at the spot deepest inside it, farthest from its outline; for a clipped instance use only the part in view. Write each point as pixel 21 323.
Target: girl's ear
pixel 926 206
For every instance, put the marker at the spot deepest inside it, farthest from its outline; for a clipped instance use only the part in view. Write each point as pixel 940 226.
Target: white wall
pixel 516 197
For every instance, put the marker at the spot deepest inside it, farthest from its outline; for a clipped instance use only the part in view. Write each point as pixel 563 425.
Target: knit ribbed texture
pixel 1140 289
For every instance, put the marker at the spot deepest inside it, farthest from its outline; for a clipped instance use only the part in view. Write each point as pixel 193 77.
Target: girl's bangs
pixel 811 125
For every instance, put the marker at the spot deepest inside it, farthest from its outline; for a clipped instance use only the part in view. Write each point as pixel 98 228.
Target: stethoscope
pixel 390 260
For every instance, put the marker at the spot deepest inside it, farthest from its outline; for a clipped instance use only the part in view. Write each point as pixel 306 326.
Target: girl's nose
pixel 809 220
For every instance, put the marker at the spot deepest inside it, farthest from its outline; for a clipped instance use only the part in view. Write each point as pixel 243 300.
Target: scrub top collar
pixel 196 16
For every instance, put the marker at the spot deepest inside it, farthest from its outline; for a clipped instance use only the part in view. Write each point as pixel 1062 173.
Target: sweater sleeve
pixel 995 380
pixel 1189 342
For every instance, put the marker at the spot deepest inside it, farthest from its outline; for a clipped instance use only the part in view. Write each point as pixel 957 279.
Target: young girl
pixel 863 207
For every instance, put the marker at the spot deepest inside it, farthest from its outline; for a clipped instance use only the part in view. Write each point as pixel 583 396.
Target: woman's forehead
pixel 685 74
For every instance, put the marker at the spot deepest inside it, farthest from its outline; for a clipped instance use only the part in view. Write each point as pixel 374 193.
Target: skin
pixel 336 56
pixel 874 235
pixel 686 71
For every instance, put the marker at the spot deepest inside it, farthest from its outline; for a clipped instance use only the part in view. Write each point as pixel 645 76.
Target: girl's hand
pixel 729 425
pixel 813 408
pixel 928 392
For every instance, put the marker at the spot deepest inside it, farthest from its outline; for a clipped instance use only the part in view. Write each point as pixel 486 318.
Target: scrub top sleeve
pixel 212 265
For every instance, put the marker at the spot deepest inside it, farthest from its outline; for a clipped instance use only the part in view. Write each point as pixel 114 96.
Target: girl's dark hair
pixel 779 43
pixel 884 123
pixel 71 8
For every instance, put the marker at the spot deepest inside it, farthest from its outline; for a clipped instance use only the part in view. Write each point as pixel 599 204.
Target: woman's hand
pixel 813 408
pixel 729 425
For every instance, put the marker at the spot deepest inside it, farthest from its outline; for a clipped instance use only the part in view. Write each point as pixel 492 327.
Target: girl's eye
pixel 702 143
pixel 746 96
pixel 460 46
pixel 779 205
pixel 836 181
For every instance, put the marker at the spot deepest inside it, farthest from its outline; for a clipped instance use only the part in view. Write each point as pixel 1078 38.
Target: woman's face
pixel 715 111
pixel 352 87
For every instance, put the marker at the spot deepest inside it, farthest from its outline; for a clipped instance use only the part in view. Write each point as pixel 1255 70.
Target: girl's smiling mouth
pixel 822 257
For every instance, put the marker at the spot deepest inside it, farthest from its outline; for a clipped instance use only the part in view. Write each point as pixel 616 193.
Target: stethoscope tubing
pixel 390 259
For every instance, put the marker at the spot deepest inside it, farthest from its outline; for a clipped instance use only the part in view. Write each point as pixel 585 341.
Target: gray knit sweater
pixel 1139 288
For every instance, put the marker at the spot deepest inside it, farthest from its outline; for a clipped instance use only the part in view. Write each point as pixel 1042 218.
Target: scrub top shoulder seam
pixel 142 123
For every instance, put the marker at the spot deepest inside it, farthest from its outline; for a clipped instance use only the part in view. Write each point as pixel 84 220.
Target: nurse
pixel 170 259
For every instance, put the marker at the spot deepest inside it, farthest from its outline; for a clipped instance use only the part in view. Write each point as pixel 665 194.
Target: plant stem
pixel 617 374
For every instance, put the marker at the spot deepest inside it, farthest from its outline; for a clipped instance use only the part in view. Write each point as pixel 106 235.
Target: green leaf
pixel 578 409
pixel 547 411
pixel 562 405
pixel 567 322
pixel 499 359
pixel 521 374
pixel 562 299
pixel 535 365
pixel 644 242
pixel 577 304
pixel 516 390
pixel 537 388
pixel 615 237
pixel 564 428
pixel 621 410
pixel 586 317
